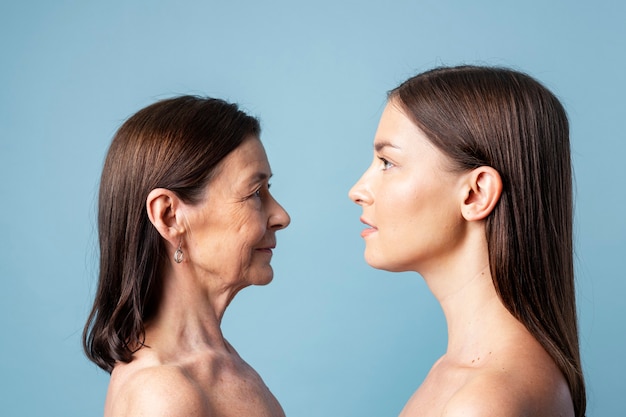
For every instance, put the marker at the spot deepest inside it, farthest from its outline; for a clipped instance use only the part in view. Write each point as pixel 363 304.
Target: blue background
pixel 330 336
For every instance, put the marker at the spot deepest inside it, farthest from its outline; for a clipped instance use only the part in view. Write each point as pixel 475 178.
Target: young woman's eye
pixel 386 164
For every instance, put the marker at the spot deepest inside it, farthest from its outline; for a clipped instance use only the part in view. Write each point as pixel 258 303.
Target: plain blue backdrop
pixel 330 336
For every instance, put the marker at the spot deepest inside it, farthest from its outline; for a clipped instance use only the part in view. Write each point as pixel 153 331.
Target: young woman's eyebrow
pixel 380 145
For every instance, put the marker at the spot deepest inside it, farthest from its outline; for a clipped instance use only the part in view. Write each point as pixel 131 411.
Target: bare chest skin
pixel 206 384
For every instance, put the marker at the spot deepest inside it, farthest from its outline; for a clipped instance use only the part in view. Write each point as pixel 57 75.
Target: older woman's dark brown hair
pixel 185 221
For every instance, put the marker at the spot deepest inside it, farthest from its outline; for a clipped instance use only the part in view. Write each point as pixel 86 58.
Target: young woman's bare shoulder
pixel 509 394
pixel 488 395
pixel 158 391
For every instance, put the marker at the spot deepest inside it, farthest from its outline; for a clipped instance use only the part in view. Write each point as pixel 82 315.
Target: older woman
pixel 471 187
pixel 186 220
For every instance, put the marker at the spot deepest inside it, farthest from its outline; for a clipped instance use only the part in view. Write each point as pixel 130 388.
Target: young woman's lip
pixel 369 230
pixel 365 222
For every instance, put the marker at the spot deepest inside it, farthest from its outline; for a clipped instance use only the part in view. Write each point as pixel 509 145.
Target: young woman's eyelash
pixel 386 163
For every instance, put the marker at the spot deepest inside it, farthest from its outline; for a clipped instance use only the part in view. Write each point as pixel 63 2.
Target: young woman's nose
pixel 360 192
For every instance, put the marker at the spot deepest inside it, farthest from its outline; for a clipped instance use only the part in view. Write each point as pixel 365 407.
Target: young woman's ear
pixel 484 186
pixel 163 206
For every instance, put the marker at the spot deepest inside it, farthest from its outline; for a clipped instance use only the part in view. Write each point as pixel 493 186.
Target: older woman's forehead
pixel 251 156
pixel 248 162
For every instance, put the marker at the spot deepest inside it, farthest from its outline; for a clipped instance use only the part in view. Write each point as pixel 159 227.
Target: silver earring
pixel 178 255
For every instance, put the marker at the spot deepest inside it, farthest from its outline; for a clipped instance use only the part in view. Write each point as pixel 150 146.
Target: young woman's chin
pixel 384 264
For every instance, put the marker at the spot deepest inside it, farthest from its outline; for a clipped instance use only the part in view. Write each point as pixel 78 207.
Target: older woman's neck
pixel 189 315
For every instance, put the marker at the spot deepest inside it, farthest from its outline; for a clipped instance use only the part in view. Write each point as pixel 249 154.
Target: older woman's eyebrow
pixel 260 177
pixel 380 145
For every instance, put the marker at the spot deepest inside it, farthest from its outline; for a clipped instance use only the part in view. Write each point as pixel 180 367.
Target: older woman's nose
pixel 279 218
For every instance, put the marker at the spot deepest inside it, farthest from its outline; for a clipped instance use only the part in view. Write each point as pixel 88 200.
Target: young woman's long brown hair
pixel 485 116
pixel 175 144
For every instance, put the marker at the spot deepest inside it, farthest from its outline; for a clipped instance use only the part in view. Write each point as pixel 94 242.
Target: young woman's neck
pixel 477 320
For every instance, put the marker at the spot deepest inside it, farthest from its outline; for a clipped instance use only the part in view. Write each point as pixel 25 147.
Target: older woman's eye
pixel 259 190
pixel 386 164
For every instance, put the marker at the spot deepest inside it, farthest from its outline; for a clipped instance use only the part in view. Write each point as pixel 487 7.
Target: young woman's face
pixel 411 198
pixel 232 231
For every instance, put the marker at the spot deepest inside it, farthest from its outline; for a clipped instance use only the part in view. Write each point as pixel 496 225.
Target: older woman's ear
pixel 164 209
pixel 483 190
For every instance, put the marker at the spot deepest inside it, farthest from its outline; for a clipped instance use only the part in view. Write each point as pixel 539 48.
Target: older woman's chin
pixel 263 277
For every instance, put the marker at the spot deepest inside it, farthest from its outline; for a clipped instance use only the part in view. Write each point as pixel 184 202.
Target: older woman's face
pixel 232 231
pixel 410 199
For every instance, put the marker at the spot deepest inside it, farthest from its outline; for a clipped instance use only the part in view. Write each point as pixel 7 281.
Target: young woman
pixel 185 221
pixel 471 187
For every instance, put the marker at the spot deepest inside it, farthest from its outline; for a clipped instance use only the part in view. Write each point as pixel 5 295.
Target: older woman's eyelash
pixel 257 192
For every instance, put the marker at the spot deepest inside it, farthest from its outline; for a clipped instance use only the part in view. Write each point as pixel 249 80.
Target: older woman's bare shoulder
pixel 159 390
